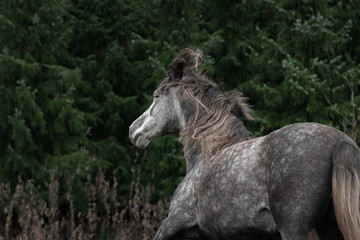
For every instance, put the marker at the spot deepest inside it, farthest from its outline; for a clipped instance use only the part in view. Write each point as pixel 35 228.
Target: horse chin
pixel 142 142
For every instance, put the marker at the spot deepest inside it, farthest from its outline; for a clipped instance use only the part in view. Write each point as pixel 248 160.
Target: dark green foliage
pixel 287 57
pixel 75 74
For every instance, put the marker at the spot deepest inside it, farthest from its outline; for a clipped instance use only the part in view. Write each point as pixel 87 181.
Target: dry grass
pixel 23 215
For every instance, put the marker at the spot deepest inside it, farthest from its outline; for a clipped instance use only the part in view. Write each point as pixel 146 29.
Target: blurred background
pixel 74 74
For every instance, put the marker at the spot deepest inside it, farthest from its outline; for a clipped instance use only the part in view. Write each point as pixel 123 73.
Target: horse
pixel 283 185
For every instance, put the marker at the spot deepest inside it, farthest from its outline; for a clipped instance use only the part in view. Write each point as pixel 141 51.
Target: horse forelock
pixel 187 58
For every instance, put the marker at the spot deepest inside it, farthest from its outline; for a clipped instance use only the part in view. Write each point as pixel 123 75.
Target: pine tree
pixel 75 74
pixel 40 120
pixel 287 57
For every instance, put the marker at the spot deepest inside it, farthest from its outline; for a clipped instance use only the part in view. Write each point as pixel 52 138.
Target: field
pixel 108 216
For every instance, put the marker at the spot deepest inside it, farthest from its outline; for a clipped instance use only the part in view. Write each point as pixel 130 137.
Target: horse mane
pixel 216 122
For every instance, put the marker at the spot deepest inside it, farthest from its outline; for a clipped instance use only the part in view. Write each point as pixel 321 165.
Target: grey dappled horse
pixel 279 186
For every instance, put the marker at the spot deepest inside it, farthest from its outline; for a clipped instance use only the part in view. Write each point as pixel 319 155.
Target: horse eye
pixel 156 95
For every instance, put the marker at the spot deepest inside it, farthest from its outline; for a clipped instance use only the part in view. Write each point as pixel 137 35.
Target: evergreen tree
pixel 75 74
pixel 40 121
pixel 287 57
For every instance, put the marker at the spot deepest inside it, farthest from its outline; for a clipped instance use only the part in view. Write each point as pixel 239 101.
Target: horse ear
pixel 176 68
pixel 187 58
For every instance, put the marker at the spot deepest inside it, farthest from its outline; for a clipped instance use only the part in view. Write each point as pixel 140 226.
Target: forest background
pixel 74 74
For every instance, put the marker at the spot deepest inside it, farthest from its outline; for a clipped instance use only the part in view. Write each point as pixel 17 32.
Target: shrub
pixel 107 216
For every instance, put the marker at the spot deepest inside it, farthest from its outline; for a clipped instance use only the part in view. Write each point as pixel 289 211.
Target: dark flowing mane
pixel 216 122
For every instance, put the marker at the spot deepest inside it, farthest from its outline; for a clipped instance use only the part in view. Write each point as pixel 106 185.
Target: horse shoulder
pixel 232 191
pixel 184 197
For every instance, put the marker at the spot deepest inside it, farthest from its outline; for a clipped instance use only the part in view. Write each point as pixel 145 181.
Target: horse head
pixel 187 102
pixel 166 114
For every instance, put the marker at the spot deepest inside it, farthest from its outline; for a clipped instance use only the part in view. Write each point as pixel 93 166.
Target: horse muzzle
pixel 141 131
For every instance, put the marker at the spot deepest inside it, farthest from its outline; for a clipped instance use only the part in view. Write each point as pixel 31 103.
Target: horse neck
pixel 231 130
pixel 195 154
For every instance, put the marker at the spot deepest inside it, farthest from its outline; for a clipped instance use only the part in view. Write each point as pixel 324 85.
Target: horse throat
pixel 192 153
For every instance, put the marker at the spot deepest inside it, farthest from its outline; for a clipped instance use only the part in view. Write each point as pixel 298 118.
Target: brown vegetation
pixel 108 216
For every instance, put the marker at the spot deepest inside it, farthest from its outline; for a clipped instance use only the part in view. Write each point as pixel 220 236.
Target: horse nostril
pixel 134 139
pixel 134 126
